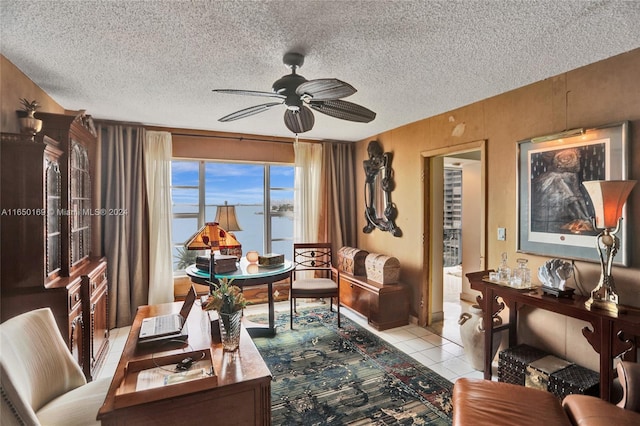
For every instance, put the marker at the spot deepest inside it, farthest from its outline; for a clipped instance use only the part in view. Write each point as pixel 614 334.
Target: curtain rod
pixel 166 129
pixel 118 123
pixel 237 138
pixel 254 139
pixel 241 138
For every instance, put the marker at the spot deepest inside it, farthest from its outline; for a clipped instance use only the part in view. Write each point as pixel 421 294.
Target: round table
pixel 250 274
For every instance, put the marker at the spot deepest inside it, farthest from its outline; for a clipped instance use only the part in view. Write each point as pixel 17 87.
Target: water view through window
pixel 198 187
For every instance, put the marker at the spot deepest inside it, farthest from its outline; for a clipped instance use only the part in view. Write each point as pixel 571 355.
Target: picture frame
pixel 554 208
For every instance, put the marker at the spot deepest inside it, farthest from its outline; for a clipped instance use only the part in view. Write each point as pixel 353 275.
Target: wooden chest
pixel 384 305
pixel 351 260
pixel 382 269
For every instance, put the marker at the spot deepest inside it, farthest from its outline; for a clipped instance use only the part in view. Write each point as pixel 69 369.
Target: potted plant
pixel 229 301
pixel 28 123
pixel 28 107
pixel 185 258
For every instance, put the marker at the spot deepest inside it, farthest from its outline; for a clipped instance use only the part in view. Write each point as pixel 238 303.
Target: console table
pixel 242 394
pixel 609 335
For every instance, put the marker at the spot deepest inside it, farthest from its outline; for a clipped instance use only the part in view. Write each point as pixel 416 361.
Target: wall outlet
pixel 502 234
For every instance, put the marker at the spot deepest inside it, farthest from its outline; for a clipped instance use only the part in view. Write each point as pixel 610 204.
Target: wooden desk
pixel 610 335
pixel 242 396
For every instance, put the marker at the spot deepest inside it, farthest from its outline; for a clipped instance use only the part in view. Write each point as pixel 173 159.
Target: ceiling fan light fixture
pixel 286 85
pixel 293 102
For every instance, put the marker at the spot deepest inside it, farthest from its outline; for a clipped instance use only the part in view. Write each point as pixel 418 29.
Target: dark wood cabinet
pixel 95 304
pixel 47 217
pixel 31 226
pixel 77 169
pixel 76 323
pixel 384 305
pixel 30 189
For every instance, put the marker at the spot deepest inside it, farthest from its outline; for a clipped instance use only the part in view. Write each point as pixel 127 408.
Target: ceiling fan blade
pixel 344 110
pixel 248 111
pixel 249 93
pixel 324 89
pixel 299 121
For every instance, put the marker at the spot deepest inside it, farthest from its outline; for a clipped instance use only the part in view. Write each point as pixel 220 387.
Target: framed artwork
pixel 554 209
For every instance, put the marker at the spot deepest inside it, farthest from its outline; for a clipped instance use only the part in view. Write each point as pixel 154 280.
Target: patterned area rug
pixel 323 375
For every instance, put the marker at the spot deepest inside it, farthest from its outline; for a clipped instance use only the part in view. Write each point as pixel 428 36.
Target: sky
pixel 231 182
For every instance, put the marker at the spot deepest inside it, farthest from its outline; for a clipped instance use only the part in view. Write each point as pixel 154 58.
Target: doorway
pixel 455 244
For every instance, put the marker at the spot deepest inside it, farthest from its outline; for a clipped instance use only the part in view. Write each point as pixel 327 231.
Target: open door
pixel 474 251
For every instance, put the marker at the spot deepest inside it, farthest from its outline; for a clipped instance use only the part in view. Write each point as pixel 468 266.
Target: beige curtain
pixel 339 226
pixel 157 156
pixel 307 186
pixel 125 237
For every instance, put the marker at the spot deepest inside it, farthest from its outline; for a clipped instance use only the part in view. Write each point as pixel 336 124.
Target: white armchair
pixel 41 382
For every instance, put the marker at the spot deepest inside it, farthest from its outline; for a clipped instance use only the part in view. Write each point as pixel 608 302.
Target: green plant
pixel 29 106
pixel 225 298
pixel 185 258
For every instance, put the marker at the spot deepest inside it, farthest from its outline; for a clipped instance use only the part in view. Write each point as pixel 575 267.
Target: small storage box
pixel 525 365
pixel 351 260
pixel 382 269
pixel 538 373
pixel 223 263
pixel 512 363
pixel 271 259
pixel 575 379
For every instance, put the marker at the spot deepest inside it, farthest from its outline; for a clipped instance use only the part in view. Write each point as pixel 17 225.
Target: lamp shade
pixel 227 239
pixel 226 217
pixel 608 198
pixel 207 238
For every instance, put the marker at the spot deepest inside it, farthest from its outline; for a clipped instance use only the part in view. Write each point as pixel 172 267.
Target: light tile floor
pixel 444 355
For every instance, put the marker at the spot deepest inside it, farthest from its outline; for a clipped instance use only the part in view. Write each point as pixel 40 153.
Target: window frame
pixel 200 215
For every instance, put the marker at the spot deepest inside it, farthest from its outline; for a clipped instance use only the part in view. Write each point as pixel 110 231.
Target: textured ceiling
pixel 156 62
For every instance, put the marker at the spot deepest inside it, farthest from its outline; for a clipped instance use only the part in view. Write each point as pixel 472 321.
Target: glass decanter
pixel 504 272
pixel 522 273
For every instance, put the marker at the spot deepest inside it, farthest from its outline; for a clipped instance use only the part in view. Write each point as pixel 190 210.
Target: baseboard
pixel 469 297
pixel 437 316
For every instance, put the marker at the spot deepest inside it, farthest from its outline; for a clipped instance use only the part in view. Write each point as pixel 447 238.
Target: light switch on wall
pixel 502 234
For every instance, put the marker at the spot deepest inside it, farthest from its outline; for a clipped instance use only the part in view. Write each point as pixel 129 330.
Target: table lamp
pixel 608 198
pixel 207 238
pixel 229 245
pixel 226 218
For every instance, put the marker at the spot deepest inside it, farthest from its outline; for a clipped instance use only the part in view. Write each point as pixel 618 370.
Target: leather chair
pixel 312 275
pixel 484 402
pixel 41 381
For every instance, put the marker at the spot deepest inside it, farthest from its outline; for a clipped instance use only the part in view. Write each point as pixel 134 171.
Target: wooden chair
pixel 312 276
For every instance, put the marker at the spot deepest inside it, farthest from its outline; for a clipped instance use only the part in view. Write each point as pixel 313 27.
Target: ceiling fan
pixel 296 92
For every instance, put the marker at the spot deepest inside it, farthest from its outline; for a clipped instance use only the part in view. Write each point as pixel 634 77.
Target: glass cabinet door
pixel 80 203
pixel 53 209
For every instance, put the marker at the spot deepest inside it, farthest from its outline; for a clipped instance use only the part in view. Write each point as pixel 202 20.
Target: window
pixel 261 193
